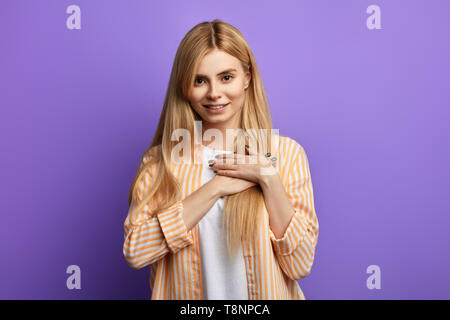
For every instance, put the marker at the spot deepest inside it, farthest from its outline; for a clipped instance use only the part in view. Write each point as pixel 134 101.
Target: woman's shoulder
pixel 289 145
pixel 292 152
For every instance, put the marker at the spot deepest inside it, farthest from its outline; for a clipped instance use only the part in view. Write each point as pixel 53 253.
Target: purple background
pixel 370 107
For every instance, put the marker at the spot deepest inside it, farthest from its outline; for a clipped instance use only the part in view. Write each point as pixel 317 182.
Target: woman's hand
pixel 228 185
pixel 254 167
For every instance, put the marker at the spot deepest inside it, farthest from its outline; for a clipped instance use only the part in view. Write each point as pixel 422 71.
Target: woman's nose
pixel 213 92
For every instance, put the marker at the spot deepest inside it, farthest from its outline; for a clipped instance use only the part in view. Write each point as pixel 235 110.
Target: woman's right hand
pixel 229 185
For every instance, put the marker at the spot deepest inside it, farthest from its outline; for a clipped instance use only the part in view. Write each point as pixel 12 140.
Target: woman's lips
pixel 216 110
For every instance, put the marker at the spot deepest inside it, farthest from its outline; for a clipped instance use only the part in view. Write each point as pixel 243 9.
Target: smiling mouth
pixel 218 107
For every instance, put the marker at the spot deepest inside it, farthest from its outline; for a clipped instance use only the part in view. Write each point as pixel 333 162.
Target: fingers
pixel 236 159
pixel 236 156
pixel 229 173
pixel 224 166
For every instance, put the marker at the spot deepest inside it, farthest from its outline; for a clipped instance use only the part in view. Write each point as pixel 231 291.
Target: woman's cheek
pixel 235 92
pixel 197 95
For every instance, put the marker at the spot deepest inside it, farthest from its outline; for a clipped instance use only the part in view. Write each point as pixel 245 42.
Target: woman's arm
pixel 293 234
pixel 294 228
pixel 198 203
pixel 151 237
pixel 278 204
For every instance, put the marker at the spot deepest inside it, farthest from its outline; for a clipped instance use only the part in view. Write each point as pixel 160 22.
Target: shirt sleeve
pixel 295 250
pixel 155 232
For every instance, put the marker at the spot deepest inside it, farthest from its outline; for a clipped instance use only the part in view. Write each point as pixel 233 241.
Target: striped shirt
pixel 273 265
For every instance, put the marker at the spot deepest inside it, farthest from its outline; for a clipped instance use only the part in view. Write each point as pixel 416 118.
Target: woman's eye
pixel 200 79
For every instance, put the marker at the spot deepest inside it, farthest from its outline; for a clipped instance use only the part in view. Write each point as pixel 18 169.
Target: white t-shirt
pixel 223 278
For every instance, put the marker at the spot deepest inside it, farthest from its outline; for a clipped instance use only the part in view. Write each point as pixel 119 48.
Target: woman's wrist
pixel 267 180
pixel 216 189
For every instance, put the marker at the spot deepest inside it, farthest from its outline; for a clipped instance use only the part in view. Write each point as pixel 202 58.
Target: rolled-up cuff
pixel 292 237
pixel 173 227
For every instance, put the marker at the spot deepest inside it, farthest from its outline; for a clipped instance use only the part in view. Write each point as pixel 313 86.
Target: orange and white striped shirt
pixel 273 266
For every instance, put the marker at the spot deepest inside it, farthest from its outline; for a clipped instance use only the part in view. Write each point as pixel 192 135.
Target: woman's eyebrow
pixel 225 71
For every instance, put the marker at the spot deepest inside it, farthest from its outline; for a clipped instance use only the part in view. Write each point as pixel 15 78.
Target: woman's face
pixel 220 80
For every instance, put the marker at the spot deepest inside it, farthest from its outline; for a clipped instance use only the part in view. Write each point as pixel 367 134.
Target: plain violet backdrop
pixel 370 108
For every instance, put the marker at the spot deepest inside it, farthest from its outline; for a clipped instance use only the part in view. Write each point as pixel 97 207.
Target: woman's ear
pixel 248 77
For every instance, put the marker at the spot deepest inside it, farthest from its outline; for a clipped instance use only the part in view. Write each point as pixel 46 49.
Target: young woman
pixel 226 222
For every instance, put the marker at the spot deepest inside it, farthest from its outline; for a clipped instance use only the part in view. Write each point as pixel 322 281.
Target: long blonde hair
pixel 243 211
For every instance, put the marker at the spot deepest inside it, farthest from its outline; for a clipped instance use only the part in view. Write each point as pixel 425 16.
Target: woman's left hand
pixel 252 167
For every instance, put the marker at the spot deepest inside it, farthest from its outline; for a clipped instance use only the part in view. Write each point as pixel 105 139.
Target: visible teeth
pixel 214 107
